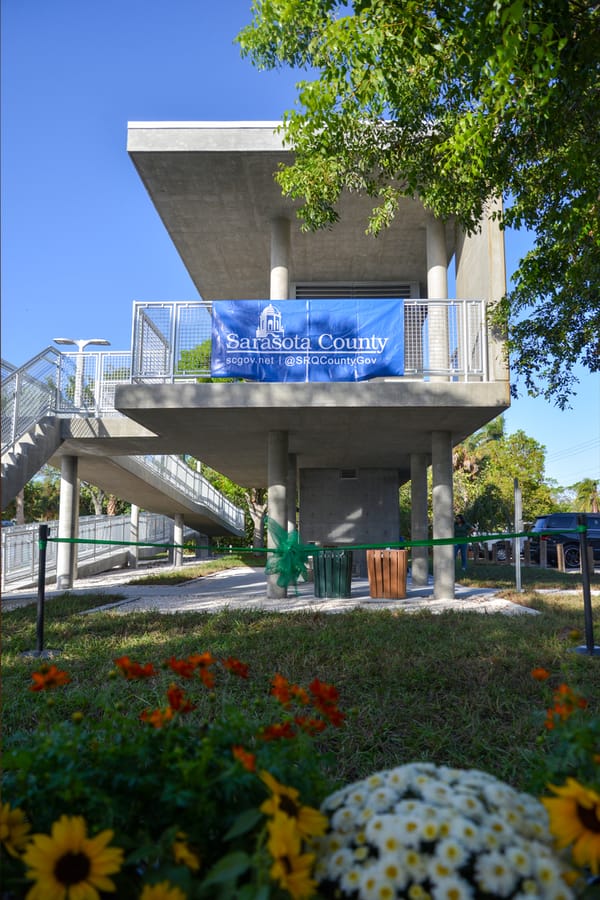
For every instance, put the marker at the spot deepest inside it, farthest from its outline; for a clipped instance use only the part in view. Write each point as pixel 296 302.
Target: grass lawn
pixel 452 688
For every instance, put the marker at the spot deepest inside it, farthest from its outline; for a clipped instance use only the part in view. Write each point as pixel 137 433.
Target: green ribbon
pixel 289 556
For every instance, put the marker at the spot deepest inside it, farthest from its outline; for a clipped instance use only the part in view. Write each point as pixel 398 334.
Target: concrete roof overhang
pixel 371 425
pixel 212 184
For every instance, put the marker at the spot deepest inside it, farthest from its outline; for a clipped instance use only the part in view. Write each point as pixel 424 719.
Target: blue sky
pixel 80 238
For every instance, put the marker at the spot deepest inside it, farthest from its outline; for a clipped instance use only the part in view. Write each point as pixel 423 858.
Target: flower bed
pixel 161 801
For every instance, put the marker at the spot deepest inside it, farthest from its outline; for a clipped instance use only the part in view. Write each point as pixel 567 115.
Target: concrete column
pixel 418 517
pixel 443 515
pixel 437 289
pixel 133 554
pixel 291 493
pixel 277 473
pixel 67 522
pixel 280 259
pixel 178 539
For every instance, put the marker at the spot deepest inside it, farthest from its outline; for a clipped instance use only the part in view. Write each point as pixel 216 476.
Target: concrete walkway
pixel 245 588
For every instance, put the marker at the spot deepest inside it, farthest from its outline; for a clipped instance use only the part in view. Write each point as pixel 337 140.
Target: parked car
pixel 565 524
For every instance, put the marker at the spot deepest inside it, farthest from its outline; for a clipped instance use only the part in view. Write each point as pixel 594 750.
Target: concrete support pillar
pixel 443 515
pixel 178 539
pixel 292 491
pixel 418 517
pixel 133 554
pixel 437 289
pixel 277 474
pixel 280 259
pixel 68 521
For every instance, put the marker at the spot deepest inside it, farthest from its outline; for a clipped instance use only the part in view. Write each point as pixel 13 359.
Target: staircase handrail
pixel 29 393
pixel 195 486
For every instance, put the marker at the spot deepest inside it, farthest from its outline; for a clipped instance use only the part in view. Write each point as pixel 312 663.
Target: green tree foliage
pixel 587 496
pixel 252 500
pixel 485 468
pixel 458 103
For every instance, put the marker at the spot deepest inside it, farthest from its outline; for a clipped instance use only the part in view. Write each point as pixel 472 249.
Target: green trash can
pixel 332 573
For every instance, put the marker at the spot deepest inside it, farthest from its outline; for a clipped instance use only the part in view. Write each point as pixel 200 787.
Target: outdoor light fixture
pixel 79 374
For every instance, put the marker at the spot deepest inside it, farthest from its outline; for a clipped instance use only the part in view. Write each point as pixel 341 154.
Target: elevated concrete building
pixel 332 454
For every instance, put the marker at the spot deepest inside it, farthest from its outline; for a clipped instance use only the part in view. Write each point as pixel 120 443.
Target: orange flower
pixel 278 731
pixel 300 694
pixel 235 666
pixel 248 760
pixel 281 689
pixel 310 724
pixel 323 693
pixel 202 659
pixel 540 674
pixel 48 677
pixel 182 667
pixel 207 678
pixel 157 717
pixel 178 700
pixel 133 670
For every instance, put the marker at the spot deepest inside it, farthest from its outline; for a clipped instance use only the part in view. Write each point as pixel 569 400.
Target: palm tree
pixel 587 498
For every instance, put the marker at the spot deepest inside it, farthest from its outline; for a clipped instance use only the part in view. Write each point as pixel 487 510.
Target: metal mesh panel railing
pixel 152 341
pixel 90 381
pixel 31 392
pixel 193 331
pixel 445 339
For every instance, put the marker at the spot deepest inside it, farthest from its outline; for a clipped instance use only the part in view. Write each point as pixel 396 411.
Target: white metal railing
pixel 20 551
pixel 196 486
pixel 448 338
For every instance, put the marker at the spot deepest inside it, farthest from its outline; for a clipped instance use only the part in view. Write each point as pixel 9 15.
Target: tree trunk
pixel 20 507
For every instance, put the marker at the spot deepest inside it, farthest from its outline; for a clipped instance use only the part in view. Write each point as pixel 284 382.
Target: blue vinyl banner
pixel 307 340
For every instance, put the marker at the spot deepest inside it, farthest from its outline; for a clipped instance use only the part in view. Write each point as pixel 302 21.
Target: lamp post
pixel 79 371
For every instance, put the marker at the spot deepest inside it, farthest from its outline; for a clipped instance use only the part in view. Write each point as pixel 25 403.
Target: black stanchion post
pixel 590 648
pixel 41 594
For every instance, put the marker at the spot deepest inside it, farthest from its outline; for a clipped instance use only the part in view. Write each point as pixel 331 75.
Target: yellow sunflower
pixel 162 891
pixel 14 829
pixel 183 853
pixel 67 865
pixel 575 819
pixel 291 868
pixel 309 822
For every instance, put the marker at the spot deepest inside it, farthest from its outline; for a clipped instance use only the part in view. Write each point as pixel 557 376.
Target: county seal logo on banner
pixel 307 340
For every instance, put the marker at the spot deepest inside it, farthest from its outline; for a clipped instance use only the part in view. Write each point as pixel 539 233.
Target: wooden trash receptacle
pixel 387 573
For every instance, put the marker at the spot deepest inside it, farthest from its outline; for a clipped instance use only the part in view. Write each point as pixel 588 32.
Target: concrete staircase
pixel 27 456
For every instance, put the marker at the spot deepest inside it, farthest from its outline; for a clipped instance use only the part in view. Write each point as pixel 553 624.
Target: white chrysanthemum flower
pixel 418 892
pixel 415 864
pixel 334 800
pixel 465 831
pixel 452 888
pixel 374 829
pixel 392 871
pixel 344 818
pixel 452 851
pixel 350 879
pixel 495 875
pixel 397 779
pixel 547 873
pixel 339 862
pixel 382 799
pixel 361 853
pixel 373 887
pixel 429 830
pixel 520 860
pixel 375 781
pixel 468 804
pixel 437 792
